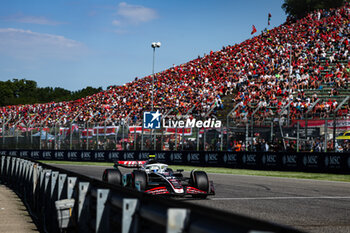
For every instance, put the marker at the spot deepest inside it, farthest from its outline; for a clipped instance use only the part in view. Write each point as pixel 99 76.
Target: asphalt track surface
pixel 307 205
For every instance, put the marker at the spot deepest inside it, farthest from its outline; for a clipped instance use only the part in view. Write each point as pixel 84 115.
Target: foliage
pixel 299 8
pixel 27 92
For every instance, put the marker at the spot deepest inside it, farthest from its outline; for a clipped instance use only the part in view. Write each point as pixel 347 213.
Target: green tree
pixel 86 92
pixel 22 91
pixel 299 8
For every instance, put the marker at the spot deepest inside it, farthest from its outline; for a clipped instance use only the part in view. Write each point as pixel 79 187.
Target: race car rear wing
pixel 129 164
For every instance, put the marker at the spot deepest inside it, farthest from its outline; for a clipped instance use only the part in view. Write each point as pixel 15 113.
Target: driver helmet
pixel 152 159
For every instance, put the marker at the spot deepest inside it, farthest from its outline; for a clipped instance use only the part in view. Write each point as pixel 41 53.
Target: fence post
pixel 45 198
pixel 7 166
pixel 13 163
pixel 102 211
pixel 2 166
pixel 177 220
pixel 83 207
pixel 129 219
pixel 35 180
pixel 61 183
pixel 71 187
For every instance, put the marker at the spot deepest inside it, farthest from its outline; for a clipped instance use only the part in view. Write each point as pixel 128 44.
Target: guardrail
pixel 60 200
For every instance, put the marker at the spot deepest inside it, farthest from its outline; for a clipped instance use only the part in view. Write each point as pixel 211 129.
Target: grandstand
pixel 295 71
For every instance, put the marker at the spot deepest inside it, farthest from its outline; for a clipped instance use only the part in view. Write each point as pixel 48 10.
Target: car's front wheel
pixel 139 177
pixel 199 180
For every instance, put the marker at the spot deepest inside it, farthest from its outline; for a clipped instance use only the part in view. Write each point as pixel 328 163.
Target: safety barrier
pixel 62 200
pixel 283 161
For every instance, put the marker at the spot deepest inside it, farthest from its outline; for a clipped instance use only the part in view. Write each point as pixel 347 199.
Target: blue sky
pixel 78 43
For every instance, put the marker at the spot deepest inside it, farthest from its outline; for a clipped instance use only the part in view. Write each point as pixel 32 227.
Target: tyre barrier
pixel 60 200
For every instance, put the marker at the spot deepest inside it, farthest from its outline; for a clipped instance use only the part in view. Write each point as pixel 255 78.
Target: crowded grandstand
pixel 296 71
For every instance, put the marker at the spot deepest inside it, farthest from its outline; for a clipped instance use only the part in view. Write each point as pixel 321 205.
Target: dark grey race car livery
pixel 158 179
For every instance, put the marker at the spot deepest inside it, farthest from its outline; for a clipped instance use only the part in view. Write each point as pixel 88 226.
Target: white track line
pixel 274 198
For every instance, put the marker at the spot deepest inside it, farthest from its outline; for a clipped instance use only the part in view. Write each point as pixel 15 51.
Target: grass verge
pixel 298 175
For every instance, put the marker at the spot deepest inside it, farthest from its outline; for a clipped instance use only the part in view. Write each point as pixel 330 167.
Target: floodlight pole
pixel 154 52
pixel 154 46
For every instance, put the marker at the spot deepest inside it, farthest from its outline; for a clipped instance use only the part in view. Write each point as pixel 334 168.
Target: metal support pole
pixel 335 120
pixel 227 123
pixel 176 138
pixel 162 137
pixel 87 135
pixel 252 122
pixel 325 135
pixel 271 135
pixel 252 133
pixel 142 138
pixel 246 135
pixel 334 129
pixel 97 135
pixel 135 137
pixel 198 132
pixel 204 138
pixel 154 52
pixel 298 136
pixel 71 131
pixel 284 143
pixel 222 138
pixel 305 121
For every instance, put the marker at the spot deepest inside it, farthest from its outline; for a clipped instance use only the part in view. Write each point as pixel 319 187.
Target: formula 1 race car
pixel 158 179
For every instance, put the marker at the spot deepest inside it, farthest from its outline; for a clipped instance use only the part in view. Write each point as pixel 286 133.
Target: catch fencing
pixel 297 135
pixel 60 200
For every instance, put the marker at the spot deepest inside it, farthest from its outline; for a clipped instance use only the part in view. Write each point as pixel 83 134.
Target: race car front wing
pixel 188 190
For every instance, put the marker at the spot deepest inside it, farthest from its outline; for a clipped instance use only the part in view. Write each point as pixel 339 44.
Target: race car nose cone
pixel 178 190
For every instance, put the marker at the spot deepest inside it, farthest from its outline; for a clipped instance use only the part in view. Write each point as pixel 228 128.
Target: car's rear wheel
pixel 141 178
pixel 112 176
pixel 199 180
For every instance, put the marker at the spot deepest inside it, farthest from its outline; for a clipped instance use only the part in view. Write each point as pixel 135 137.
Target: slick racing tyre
pixel 141 177
pixel 199 180
pixel 112 176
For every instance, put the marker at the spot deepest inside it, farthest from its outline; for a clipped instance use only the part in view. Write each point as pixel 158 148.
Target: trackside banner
pixel 309 162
